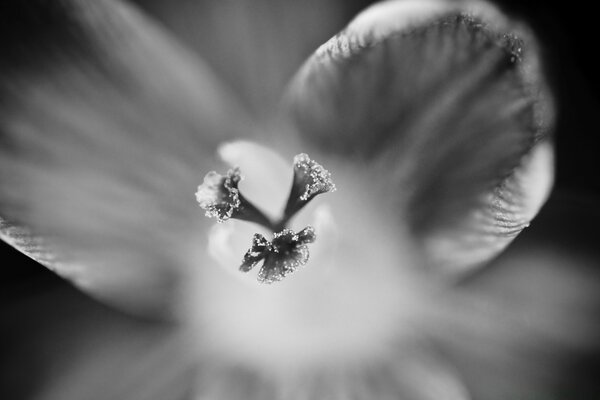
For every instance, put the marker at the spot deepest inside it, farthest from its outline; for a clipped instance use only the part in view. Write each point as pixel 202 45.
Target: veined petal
pixel 503 214
pixel 255 45
pixel 107 126
pixel 446 103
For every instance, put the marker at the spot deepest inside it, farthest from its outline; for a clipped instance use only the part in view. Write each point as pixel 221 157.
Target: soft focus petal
pixel 255 45
pixel 107 126
pixel 134 364
pixel 445 103
pixel 29 244
pixel 528 325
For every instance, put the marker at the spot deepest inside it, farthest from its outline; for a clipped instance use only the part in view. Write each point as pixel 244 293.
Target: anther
pixel 282 256
pixel 220 197
pixel 310 180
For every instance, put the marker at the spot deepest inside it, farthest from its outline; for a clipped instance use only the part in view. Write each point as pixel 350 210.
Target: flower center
pixel 221 198
pixel 359 297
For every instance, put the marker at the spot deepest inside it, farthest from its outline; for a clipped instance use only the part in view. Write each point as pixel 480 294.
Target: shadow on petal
pixel 442 104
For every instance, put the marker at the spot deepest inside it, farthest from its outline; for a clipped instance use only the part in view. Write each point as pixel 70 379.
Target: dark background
pixel 569 35
pixel 37 308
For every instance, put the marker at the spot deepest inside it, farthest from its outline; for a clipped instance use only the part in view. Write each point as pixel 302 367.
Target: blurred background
pixel 46 324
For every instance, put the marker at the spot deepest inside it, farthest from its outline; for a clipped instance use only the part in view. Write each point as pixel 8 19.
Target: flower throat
pixel 221 198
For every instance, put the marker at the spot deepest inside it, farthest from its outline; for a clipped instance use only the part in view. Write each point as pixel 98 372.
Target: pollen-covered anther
pixel 282 256
pixel 310 180
pixel 311 177
pixel 259 250
pixel 219 195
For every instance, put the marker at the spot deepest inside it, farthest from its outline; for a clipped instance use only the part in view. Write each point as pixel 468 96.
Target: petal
pixel 429 377
pixel 506 211
pixel 30 245
pixel 445 103
pixel 256 46
pixel 530 323
pixel 107 127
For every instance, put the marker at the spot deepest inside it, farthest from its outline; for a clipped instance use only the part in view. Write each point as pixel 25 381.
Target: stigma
pixel 220 197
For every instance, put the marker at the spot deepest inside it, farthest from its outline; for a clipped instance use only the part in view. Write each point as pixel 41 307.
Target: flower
pixel 432 116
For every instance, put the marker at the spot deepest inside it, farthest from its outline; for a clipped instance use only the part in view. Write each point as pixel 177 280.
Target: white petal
pixel 108 127
pixel 443 102
pixel 508 209
pixel 256 46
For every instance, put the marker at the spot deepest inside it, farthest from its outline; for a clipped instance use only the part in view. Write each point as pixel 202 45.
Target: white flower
pixel 433 118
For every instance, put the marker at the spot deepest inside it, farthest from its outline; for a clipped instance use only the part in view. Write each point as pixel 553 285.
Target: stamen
pixel 310 180
pixel 312 176
pixel 259 250
pixel 220 197
pixel 282 256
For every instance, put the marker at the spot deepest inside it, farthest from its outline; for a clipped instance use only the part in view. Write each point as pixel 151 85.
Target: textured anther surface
pixel 312 177
pixel 219 195
pixel 282 256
